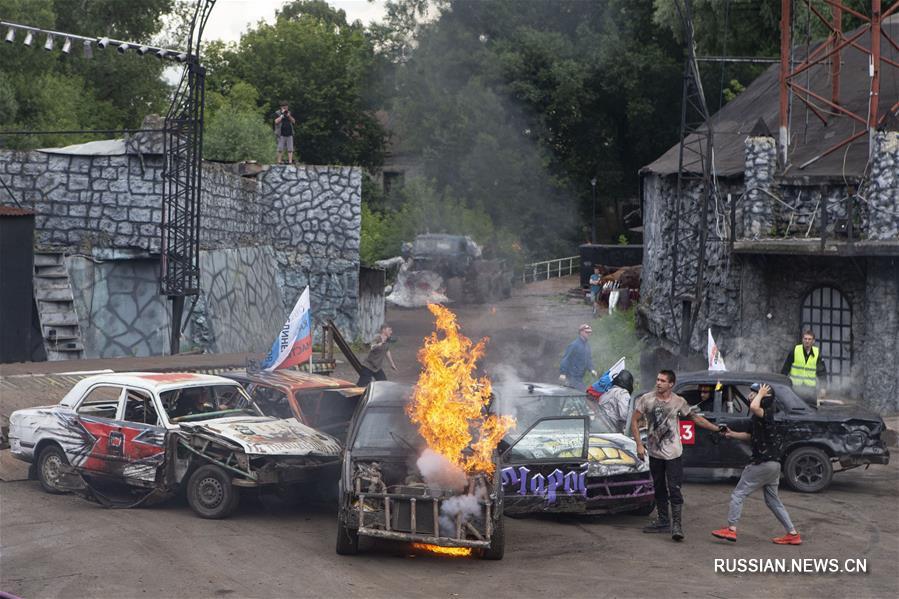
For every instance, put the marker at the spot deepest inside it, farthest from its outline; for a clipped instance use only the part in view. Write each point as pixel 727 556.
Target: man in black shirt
pixel 284 125
pixel 764 471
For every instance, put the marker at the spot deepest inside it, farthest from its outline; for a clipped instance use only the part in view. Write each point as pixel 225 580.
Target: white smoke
pixel 439 473
pixel 467 506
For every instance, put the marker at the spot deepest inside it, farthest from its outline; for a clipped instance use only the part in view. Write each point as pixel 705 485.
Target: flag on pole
pixel 716 361
pixel 293 345
pixel 605 381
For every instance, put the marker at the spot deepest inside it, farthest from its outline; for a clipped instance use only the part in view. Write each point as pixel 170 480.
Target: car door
pixel 734 413
pixel 99 450
pixel 545 468
pixel 141 435
pixel 702 448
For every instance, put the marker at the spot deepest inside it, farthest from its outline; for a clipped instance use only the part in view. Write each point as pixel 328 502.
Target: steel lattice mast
pixel 182 180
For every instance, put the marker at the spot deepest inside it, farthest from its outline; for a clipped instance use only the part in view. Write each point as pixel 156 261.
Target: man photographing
pixel 663 410
pixel 764 471
pixel 284 123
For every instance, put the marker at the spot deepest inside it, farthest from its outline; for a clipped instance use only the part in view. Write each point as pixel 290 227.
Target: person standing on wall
pixel 284 123
pixel 763 471
pixel 577 360
pixel 805 367
pixel 663 410
pixel 373 364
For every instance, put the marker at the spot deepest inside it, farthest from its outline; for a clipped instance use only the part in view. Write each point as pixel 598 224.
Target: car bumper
pixel 871 455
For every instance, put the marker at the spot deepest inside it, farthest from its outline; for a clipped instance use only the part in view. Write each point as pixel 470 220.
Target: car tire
pixel 210 493
pixel 347 538
pixel 808 470
pixel 49 463
pixel 644 510
pixel 497 542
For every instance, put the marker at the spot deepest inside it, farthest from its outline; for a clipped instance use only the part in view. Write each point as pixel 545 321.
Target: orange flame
pixel 448 402
pixel 437 549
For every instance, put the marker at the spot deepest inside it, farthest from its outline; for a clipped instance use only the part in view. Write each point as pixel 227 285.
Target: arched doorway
pixel 829 315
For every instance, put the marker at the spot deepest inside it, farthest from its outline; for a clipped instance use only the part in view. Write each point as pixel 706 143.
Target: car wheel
pixel 808 470
pixel 347 538
pixel 497 542
pixel 50 464
pixel 644 510
pixel 210 492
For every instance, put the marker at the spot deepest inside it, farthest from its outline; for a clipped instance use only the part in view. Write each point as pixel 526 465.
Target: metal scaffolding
pixel 182 180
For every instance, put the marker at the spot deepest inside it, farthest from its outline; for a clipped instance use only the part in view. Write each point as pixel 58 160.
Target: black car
pixel 383 493
pixel 814 439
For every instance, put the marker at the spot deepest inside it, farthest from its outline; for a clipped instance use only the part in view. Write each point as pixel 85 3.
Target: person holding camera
pixel 284 123
pixel 764 469
pixel 373 364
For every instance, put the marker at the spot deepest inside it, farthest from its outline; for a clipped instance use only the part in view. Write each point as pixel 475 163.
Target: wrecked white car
pixel 383 493
pixel 154 433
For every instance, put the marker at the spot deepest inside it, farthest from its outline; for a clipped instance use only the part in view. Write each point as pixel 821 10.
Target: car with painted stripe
pixel 156 433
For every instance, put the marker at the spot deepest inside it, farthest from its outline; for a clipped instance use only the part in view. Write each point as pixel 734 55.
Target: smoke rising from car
pixel 439 473
pixel 466 506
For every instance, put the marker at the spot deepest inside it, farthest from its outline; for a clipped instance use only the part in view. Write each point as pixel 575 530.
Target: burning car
pixel 420 463
pixel 393 487
pixel 814 439
pixel 322 402
pixel 560 458
pixel 156 433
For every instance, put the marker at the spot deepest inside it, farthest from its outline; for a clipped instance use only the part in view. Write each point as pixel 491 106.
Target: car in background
pixel 382 493
pixel 157 433
pixel 814 440
pixel 324 403
pixel 563 458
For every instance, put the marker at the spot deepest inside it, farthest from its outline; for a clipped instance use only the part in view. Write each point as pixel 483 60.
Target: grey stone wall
pixel 758 208
pixel 303 222
pixel 883 189
pixel 240 308
pixel 119 307
pixel 658 315
pixel 880 380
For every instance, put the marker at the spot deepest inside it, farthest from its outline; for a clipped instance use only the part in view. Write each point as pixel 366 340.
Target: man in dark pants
pixel 663 410
pixel 373 364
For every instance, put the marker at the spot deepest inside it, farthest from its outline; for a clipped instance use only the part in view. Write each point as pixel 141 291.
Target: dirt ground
pixel 63 546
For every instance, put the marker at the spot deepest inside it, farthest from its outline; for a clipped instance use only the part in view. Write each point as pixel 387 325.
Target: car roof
pixel 527 389
pixel 388 393
pixel 153 381
pixel 290 379
pixel 704 376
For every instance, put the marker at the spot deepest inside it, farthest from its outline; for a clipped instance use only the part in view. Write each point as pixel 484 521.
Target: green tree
pixel 235 127
pixel 54 91
pixel 324 66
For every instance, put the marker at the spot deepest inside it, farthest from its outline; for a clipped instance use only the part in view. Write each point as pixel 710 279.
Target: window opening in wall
pixel 393 181
pixel 828 314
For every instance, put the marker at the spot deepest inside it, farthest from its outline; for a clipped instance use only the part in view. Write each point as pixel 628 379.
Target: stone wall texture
pixel 752 300
pixel 261 239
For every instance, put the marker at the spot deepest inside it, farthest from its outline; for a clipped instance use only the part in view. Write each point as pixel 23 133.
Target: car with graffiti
pixel 814 439
pixel 561 457
pixel 384 492
pixel 153 434
pixel 324 403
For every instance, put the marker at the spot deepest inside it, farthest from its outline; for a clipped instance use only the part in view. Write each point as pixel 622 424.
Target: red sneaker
pixel 725 533
pixel 788 539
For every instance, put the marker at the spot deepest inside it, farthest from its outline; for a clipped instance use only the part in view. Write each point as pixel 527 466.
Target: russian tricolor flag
pixel 293 345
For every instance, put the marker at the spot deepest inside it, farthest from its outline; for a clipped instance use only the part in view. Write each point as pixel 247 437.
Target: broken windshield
pixel 387 427
pixel 528 409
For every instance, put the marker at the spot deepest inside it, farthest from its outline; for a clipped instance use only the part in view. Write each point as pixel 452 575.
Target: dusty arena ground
pixel 63 546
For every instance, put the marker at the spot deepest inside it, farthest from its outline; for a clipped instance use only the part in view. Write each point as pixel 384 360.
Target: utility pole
pixel 593 221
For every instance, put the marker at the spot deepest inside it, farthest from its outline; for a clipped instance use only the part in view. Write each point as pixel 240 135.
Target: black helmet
pixel 625 380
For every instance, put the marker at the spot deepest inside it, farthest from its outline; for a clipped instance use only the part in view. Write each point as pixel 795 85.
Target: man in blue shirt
pixel 577 360
pixel 595 287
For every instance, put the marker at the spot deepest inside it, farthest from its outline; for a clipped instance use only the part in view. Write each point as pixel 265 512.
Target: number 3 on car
pixel 687 432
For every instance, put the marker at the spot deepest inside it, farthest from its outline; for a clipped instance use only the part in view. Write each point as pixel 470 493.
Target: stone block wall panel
pixel 882 192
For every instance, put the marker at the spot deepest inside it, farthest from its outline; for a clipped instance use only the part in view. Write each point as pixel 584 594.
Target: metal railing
pixel 560 267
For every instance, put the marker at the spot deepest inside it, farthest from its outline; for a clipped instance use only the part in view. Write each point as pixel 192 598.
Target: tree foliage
pixel 42 90
pixel 324 67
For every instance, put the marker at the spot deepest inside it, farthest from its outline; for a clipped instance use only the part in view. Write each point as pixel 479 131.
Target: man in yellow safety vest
pixel 806 368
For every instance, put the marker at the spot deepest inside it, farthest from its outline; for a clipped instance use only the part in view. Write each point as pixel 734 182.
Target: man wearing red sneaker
pixel 763 472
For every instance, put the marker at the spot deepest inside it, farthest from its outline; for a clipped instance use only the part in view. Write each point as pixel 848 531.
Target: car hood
pixel 613 453
pixel 269 436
